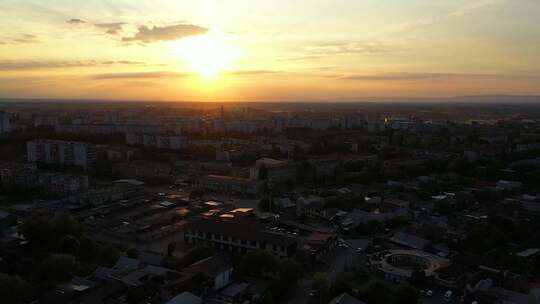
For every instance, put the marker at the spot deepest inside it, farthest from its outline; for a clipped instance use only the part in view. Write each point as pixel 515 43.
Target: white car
pixel 448 296
pixel 358 250
pixel 429 293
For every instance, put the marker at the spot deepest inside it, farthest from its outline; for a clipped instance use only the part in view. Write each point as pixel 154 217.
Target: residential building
pixel 217 268
pixel 142 169
pixel 61 153
pixel 231 185
pixel 5 122
pixel 108 129
pixel 120 153
pixel 28 176
pixel 168 142
pixel 276 170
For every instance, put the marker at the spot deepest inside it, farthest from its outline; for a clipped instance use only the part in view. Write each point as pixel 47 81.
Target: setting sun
pixel 208 55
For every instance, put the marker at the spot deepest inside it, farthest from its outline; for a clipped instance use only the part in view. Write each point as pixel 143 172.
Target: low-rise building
pixel 310 207
pixel 318 245
pixel 239 236
pixel 230 185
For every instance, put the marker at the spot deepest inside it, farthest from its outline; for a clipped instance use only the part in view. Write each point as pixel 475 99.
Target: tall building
pixel 5 122
pixel 63 153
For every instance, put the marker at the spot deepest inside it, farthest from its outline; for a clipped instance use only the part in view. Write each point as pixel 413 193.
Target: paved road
pixel 337 262
pixel 345 257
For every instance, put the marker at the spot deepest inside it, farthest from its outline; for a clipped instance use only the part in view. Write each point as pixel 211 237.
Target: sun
pixel 208 55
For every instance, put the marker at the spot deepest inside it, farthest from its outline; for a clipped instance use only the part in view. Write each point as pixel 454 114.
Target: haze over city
pixel 310 50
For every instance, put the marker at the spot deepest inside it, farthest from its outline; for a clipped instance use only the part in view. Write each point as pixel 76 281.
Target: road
pixel 344 258
pixel 337 262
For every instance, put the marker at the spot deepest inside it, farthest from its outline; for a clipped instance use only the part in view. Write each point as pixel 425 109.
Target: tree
pixel 70 245
pixel 132 253
pixel 108 256
pixel 377 292
pixel 258 263
pixel 405 294
pixel 341 283
pixel 65 224
pixel 264 205
pixel 170 249
pixel 321 285
pixel 305 171
pixel 57 268
pixel 14 289
pixel 418 277
pixel 263 172
pixel 37 229
pixel 88 250
pixel 290 271
pixel 268 298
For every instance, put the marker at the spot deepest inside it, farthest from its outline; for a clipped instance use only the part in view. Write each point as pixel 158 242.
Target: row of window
pixel 252 243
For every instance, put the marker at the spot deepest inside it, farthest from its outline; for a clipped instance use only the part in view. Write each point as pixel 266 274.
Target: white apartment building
pixel 63 153
pixel 5 122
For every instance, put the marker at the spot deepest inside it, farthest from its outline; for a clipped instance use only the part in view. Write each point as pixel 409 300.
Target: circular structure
pixel 397 265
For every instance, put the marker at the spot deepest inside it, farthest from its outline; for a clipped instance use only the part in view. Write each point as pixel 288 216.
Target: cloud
pixel 111 28
pixel 147 34
pixel 253 72
pixel 470 7
pixel 422 76
pixel 19 39
pixel 140 75
pixel 319 51
pixel 76 21
pixel 31 65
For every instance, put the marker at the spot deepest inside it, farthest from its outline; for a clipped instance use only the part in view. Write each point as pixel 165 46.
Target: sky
pixel 260 50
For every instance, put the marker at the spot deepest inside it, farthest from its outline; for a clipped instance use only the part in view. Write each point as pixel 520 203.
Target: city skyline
pixel 262 51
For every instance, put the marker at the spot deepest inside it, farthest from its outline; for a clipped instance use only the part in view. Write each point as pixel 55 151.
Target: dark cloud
pixel 75 21
pixel 111 28
pixel 147 34
pixel 31 65
pixel 140 75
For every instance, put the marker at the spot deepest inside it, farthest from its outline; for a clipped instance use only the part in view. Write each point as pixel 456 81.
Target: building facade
pixel 5 122
pixel 62 153
pixel 239 237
